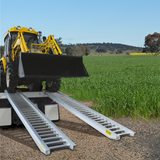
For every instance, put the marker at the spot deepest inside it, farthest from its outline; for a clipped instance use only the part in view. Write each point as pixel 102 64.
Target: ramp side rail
pixel 101 123
pixel 46 134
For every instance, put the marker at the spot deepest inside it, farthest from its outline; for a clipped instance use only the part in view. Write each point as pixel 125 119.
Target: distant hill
pixel 109 46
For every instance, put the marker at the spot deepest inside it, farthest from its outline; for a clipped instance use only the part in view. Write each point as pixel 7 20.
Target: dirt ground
pixel 16 143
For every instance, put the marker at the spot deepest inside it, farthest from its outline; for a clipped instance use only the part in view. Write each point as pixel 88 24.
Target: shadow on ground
pixel 21 135
pixel 78 127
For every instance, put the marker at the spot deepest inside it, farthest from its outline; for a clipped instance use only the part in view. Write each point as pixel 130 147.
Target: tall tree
pixel 77 51
pixel 69 51
pixel 119 51
pixel 83 49
pixel 152 43
pixel 87 52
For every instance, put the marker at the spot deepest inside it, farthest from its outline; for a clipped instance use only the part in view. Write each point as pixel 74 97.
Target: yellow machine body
pixel 36 59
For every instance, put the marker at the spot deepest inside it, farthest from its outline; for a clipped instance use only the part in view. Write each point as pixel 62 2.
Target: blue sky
pixel 84 21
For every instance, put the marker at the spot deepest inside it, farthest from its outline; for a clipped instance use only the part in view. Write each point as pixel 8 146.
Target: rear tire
pixel 12 77
pixel 4 127
pixel 2 79
pixel 35 86
pixel 53 85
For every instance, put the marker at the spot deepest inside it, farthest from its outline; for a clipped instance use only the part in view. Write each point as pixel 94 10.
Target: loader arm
pixel 18 46
pixel 49 43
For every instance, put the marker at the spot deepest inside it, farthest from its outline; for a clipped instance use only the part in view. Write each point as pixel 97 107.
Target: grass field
pixel 120 86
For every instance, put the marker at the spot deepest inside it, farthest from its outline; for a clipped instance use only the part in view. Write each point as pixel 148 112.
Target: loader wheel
pixel 36 86
pixel 12 77
pixel 2 79
pixel 4 127
pixel 53 85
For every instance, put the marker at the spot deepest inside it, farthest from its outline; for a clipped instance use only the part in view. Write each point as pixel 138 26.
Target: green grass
pixel 120 86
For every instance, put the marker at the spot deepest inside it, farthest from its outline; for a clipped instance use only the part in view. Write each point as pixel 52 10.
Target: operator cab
pixel 30 36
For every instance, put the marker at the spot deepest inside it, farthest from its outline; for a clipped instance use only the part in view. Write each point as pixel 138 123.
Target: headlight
pixel 39 33
pixel 18 27
pixel 30 29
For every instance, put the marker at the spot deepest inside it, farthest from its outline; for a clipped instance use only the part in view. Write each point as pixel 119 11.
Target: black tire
pixel 4 127
pixel 12 77
pixel 2 79
pixel 36 86
pixel 53 85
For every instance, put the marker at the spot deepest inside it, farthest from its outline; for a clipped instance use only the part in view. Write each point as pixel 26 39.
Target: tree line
pixel 103 47
pixel 152 44
pixel 77 51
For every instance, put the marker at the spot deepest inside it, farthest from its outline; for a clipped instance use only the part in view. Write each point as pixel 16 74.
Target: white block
pixel 52 112
pixel 5 116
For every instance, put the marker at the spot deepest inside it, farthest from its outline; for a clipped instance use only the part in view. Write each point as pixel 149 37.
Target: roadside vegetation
pixel 119 86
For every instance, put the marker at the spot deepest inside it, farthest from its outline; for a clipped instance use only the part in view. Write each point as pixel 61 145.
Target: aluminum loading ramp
pixel 106 126
pixel 46 135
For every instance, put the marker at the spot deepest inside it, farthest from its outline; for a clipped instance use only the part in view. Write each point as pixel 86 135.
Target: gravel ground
pixel 16 143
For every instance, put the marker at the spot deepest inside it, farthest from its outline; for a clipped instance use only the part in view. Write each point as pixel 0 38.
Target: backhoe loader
pixel 27 60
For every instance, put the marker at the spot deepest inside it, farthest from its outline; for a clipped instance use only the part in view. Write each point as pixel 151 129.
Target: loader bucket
pixel 47 65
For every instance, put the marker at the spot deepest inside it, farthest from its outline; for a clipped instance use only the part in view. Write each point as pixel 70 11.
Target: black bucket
pixel 47 65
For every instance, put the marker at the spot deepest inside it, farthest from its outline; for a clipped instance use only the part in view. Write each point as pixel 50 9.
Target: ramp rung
pixel 45 132
pixel 29 115
pixel 105 123
pixel 114 128
pixel 33 122
pixel 42 129
pixel 35 119
pixel 28 112
pixel 88 114
pixel 119 131
pixel 25 110
pixel 95 117
pixel 122 134
pixel 40 126
pixel 50 138
pixel 110 125
pixel 36 124
pixel 27 107
pixel 59 146
pixel 46 135
pixel 99 120
pixel 82 110
pixel 32 116
pixel 54 142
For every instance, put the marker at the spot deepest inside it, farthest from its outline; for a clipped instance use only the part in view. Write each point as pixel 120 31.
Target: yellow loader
pixel 29 61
